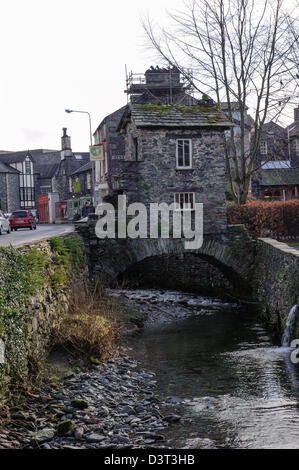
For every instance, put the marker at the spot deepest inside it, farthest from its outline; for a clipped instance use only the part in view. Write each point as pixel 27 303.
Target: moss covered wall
pixel 35 286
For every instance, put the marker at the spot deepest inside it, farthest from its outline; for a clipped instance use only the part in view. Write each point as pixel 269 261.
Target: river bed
pixel 219 370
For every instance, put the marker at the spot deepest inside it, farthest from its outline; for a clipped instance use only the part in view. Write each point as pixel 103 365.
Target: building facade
pixel 25 175
pixel 166 147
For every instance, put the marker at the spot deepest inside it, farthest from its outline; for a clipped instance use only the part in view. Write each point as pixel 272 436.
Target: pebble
pixel 112 405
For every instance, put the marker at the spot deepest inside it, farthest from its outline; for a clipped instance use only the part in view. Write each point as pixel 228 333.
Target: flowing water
pixel 218 368
pixel 290 328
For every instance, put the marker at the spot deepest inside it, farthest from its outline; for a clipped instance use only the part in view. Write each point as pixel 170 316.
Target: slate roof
pixel 174 116
pixel 47 170
pixel 14 157
pixel 7 169
pixel 46 162
pixel 86 167
pixel 109 116
pixel 281 177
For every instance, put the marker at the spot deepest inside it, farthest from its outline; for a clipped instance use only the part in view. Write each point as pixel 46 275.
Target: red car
pixel 22 219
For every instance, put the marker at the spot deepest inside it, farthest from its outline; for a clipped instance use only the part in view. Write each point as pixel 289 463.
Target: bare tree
pixel 243 52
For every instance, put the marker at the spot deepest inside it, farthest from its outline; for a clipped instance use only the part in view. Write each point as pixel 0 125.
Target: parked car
pixel 4 224
pixel 22 219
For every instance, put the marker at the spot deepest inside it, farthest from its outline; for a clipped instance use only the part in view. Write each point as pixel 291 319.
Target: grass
pixel 94 324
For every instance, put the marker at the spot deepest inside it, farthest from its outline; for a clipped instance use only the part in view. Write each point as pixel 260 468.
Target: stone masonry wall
pixel 9 192
pixel 28 320
pixel 276 279
pixel 155 178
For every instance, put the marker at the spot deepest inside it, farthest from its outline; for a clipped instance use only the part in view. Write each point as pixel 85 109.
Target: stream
pixel 218 369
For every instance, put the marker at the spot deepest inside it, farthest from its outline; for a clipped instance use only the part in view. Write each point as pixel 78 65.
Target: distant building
pixel 64 179
pixel 25 175
pixel 277 160
pixel 9 188
pixel 114 151
pixel 293 132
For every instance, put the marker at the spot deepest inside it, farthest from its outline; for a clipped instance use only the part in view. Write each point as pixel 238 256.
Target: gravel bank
pixel 110 406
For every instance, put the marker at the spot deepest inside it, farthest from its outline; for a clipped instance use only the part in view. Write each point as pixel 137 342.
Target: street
pixel 24 236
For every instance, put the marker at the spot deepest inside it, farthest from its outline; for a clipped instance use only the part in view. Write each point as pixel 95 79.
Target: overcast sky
pixel 58 54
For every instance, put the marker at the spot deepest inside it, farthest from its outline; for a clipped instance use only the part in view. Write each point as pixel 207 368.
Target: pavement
pixel 25 236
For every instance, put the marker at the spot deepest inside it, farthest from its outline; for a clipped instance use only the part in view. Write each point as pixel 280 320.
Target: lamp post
pixel 90 135
pixel 84 112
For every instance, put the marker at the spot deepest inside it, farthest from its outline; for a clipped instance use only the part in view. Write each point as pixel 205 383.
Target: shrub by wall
pixel 275 219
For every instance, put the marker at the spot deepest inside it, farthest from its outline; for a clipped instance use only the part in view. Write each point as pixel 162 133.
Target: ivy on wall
pixel 23 273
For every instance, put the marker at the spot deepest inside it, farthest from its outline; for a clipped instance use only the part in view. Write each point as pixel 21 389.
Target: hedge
pixel 275 219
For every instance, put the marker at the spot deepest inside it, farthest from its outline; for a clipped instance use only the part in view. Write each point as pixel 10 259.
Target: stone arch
pixel 111 258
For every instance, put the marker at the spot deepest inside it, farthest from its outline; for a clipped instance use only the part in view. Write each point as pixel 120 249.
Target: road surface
pixel 24 236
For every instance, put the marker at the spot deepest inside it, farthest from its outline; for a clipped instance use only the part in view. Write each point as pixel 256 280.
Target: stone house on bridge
pixel 170 147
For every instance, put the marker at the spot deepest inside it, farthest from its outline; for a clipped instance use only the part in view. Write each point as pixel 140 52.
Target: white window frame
pixel 264 147
pixel 183 167
pixel 187 206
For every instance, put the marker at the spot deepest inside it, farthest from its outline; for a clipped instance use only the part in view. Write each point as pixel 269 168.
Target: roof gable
pixel 4 168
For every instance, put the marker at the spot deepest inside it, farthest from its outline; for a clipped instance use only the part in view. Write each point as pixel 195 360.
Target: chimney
pixel 66 149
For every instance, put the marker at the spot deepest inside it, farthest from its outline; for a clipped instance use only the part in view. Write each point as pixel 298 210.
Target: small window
pixel 184 153
pixel 263 147
pixel 70 185
pixel 27 167
pixel 135 148
pixel 88 181
pixel 184 201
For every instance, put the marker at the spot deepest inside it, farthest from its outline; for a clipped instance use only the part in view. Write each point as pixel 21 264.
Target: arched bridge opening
pixel 188 272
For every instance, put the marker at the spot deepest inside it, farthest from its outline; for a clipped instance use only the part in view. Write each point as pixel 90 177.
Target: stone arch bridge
pixel 263 271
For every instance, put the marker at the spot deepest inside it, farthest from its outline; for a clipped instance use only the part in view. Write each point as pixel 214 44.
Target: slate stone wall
pixel 155 178
pixel 9 192
pixel 276 279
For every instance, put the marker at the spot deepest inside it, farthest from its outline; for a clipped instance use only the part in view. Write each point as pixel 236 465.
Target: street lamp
pixel 90 134
pixel 84 112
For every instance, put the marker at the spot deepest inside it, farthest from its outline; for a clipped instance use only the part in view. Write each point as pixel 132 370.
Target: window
pixel 88 181
pixel 27 167
pixel 184 201
pixel 263 147
pixel 184 153
pixel 135 148
pixel 70 185
pixel 27 197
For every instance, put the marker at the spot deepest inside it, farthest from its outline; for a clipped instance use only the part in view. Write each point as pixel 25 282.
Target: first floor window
pixel 184 201
pixel 27 197
pixel 184 153
pixel 263 147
